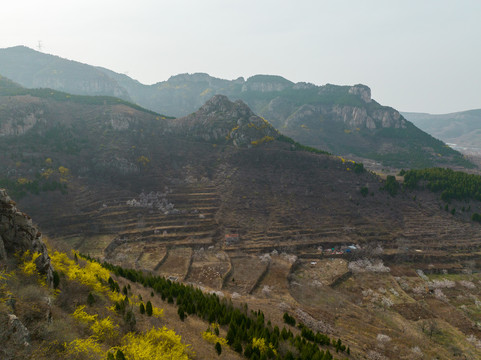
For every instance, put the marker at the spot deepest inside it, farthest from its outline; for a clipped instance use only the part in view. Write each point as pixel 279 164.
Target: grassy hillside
pixel 10 88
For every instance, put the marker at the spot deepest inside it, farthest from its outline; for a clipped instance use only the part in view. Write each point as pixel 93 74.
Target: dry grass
pixel 177 263
pixel 246 271
pixel 151 256
pixel 209 268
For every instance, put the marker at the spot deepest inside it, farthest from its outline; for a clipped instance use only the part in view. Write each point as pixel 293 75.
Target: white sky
pixel 416 55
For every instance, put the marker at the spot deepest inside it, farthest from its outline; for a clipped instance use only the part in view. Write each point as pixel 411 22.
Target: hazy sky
pixel 422 55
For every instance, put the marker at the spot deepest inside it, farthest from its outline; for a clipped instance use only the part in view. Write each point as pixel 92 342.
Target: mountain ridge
pixel 461 129
pixel 38 70
pixel 338 119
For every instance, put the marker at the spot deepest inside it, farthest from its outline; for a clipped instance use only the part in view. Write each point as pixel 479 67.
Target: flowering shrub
pixel 260 343
pixel 438 293
pixel 28 266
pixel 467 284
pixel 4 292
pixel 440 284
pixel 155 344
pixel 262 140
pixel 84 348
pixel 82 316
pixel 103 329
pixel 159 313
pixel 211 337
pixel 365 265
pixel 93 274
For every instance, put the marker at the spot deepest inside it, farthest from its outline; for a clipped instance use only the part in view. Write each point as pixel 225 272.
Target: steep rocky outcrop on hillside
pixel 18 119
pixel 352 117
pixel 18 234
pixel 220 120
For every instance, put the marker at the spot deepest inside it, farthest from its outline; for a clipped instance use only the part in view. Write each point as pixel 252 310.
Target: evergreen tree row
pixel 453 185
pixel 244 327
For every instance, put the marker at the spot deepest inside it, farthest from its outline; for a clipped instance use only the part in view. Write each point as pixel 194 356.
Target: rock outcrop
pixel 363 91
pixel 17 332
pixel 220 120
pixel 266 83
pixel 19 115
pixel 18 234
pixel 351 117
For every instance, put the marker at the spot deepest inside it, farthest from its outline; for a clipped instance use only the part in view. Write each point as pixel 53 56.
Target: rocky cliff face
pixel 17 117
pixel 350 117
pixel 266 83
pixel 362 91
pixel 18 234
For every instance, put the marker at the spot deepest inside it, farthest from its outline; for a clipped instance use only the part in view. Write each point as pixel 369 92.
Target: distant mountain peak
pixel 266 83
pixel 221 103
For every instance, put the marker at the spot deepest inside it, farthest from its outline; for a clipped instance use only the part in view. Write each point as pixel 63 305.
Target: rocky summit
pixel 221 121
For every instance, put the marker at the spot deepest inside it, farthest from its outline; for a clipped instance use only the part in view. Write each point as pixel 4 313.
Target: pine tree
pixel 142 308
pixel 90 299
pixel 218 348
pixel 119 355
pixel 56 279
pixel 148 308
pixel 129 319
pixel 181 313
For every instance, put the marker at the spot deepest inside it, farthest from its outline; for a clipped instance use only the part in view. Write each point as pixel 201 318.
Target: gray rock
pixel 17 331
pixel 18 234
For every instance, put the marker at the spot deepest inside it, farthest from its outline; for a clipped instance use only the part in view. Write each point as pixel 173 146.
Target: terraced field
pixel 144 235
pixel 209 268
pixel 245 274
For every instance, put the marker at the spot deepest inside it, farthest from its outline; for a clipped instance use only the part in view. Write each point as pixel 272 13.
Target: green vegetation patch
pixel 453 185
pixel 299 147
pixel 19 189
